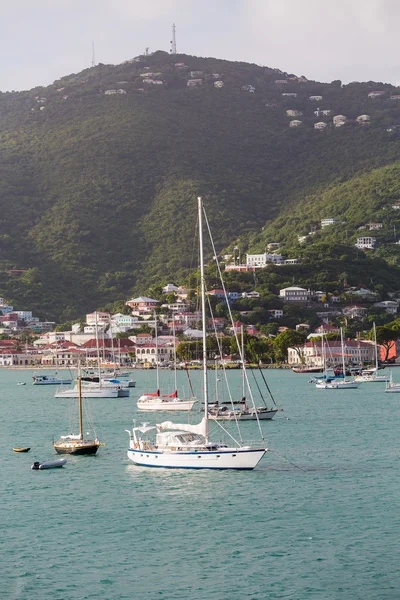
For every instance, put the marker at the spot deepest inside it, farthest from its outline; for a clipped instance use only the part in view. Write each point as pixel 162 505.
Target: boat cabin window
pixel 190 438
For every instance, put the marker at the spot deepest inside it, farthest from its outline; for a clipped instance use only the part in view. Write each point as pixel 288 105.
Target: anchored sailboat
pixel 189 446
pixel 77 444
pixel 167 402
pixel 338 383
pixel 371 375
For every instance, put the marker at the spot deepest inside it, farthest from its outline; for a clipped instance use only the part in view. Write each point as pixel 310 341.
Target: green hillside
pixel 97 191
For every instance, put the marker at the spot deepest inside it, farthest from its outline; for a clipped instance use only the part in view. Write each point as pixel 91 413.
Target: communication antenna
pixel 146 51
pixel 93 56
pixel 173 41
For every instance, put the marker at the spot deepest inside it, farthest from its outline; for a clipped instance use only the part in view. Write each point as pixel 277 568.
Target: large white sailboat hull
pixel 224 458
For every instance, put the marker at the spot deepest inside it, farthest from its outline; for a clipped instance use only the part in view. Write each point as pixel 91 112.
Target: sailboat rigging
pixel 166 402
pixel 77 444
pixel 189 446
pixel 371 375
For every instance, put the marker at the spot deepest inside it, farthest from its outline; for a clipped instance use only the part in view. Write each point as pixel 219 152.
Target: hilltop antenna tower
pixel 173 41
pixel 93 56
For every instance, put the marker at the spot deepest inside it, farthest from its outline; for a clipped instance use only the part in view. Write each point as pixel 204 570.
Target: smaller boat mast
pixel 343 361
pixel 156 338
pixel 376 349
pixel 173 333
pixel 80 403
pixel 243 367
pixel 98 348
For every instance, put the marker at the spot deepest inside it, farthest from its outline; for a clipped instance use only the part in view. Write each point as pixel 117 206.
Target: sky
pixel 350 40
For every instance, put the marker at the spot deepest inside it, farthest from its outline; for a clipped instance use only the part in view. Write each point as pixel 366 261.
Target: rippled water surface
pixel 101 528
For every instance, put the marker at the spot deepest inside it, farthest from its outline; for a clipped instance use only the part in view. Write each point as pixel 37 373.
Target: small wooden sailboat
pixel 21 449
pixel 76 444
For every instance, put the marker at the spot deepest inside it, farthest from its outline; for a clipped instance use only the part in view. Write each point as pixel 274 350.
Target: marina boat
pixel 392 387
pixel 240 411
pixel 93 391
pixel 167 402
pixel 50 464
pixel 338 382
pixel 21 449
pixel 234 411
pixel 171 402
pixel 97 386
pixel 372 375
pixel 77 444
pixel 110 381
pixel 304 369
pixel 46 380
pixel 188 446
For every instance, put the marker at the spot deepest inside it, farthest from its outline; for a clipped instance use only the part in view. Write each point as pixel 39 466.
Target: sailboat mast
pixel 376 350
pixel 343 363
pixel 203 309
pixel 156 337
pixel 97 347
pixel 80 405
pixel 173 333
pixel 243 376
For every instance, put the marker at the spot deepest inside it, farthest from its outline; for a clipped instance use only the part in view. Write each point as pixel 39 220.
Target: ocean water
pixel 326 527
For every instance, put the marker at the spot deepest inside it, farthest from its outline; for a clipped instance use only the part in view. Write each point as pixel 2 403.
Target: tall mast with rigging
pixel 203 313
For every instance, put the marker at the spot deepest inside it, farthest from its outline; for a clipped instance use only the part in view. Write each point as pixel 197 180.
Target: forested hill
pixel 97 189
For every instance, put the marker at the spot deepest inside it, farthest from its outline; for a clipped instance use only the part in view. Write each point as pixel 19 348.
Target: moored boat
pixel 77 444
pixel 304 369
pixel 21 449
pixel 46 380
pixel 50 464
pixel 188 446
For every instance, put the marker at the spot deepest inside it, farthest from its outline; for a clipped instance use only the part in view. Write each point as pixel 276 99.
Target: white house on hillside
pixel 261 260
pixel 170 288
pixel 329 221
pixel 365 243
pixel 294 294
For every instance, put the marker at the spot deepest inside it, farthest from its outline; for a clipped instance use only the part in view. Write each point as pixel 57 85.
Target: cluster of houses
pixel 14 321
pixel 337 120
pixel 177 317
pixel 364 242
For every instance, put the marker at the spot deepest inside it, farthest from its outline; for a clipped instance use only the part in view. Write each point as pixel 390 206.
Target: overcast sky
pixel 342 39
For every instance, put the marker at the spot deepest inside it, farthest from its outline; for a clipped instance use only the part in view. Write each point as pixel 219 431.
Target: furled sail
pixel 201 428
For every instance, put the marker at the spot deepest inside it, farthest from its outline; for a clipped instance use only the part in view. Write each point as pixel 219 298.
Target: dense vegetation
pixel 97 192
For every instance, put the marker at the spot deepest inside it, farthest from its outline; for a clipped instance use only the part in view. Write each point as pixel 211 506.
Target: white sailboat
pixel 167 402
pixel 189 446
pixel 371 375
pixel 241 410
pixel 95 389
pixel 391 386
pixel 338 383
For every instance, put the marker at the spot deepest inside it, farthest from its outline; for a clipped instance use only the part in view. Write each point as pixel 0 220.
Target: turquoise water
pixel 101 528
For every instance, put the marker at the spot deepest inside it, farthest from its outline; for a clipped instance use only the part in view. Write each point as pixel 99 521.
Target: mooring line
pixel 288 461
